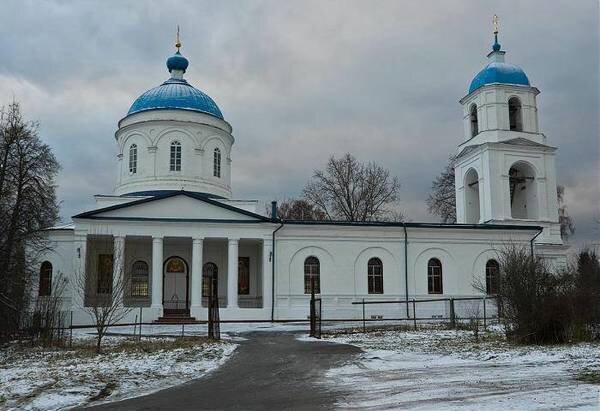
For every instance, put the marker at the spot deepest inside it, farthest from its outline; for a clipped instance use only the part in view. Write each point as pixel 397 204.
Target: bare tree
pixel 103 285
pixel 349 190
pixel 442 199
pixel 46 323
pixel 27 206
pixel 567 225
pixel 298 209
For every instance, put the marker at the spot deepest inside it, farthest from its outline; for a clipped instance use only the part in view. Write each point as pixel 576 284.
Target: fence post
pixel 452 314
pixel 71 331
pixel 140 338
pixel 414 313
pixel 135 326
pixel 364 320
pixel 182 330
pixel 484 316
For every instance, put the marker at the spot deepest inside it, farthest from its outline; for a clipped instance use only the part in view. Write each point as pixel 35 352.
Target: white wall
pixel 199 134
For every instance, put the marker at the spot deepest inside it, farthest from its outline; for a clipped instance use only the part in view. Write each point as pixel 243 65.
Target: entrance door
pixel 175 287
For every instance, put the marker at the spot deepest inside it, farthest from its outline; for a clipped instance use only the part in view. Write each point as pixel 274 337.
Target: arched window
pixel 474 121
pixel 312 274
pixel 210 280
pixel 375 276
pixel 523 191
pixel 492 277
pixel 175 163
pixel 133 159
pixel 217 163
pixel 515 118
pixel 471 197
pixel 139 279
pixel 434 277
pixel 45 279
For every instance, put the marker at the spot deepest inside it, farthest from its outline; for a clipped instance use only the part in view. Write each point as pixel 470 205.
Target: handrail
pixel 422 301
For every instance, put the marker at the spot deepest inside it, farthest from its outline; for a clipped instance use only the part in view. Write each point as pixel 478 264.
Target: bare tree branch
pixel 353 191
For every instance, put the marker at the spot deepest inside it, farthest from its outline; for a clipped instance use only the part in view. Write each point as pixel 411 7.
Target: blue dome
pixel 176 94
pixel 497 72
pixel 177 62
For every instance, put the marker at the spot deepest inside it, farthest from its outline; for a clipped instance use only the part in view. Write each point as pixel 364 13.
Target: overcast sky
pixel 302 80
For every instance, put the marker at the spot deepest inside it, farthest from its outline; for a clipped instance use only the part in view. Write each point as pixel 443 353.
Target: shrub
pixel 542 306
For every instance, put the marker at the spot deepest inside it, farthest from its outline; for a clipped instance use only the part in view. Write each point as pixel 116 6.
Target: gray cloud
pixel 302 80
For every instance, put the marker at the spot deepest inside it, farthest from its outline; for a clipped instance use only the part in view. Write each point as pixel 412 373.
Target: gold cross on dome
pixel 178 42
pixel 495 23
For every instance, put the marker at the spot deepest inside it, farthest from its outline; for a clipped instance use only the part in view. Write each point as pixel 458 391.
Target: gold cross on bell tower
pixel 494 22
pixel 178 42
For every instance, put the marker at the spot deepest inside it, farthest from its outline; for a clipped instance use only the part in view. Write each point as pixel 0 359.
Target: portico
pixel 171 267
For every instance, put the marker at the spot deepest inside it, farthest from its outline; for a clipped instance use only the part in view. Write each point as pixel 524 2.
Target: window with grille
pixel 45 279
pixel 434 276
pixel 139 279
pixel 375 276
pixel 217 163
pixel 492 277
pixel 244 275
pixel 133 159
pixel 175 163
pixel 105 273
pixel 312 274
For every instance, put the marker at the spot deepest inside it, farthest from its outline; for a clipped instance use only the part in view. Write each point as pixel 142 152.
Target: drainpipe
pixel 406 266
pixel 274 218
pixel 533 239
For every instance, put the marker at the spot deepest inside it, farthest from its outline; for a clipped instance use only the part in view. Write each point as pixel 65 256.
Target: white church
pixel 173 218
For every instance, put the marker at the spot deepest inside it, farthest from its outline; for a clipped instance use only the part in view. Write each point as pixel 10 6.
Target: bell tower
pixel 504 171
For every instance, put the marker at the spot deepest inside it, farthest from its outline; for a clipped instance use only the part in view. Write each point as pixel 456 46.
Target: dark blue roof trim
pixel 417 225
pixel 154 193
pixel 92 213
pixel 179 220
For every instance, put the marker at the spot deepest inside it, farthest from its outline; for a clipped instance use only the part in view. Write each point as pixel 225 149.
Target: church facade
pixel 172 232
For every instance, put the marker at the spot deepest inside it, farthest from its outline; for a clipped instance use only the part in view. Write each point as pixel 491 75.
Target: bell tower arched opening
pixel 515 114
pixel 474 120
pixel 523 191
pixel 472 213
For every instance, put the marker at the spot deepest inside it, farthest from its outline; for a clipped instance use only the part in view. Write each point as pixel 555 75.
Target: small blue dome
pixel 176 94
pixel 497 72
pixel 177 62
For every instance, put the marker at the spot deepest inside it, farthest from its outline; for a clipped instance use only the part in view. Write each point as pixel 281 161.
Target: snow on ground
pixel 446 369
pixel 46 379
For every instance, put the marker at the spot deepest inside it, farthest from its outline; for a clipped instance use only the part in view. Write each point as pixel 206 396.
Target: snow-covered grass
pixel 447 369
pixel 48 379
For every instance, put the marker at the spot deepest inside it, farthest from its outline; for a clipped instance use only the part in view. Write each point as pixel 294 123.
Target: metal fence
pixel 454 311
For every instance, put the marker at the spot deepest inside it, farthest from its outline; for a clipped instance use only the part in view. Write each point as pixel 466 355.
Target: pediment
pixel 178 206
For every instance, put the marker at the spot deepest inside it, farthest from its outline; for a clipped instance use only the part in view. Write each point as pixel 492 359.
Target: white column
pixel 119 281
pixel 157 274
pixel 267 278
pixel 232 273
pixel 196 291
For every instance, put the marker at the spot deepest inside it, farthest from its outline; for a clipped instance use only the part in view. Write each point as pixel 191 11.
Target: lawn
pixel 448 369
pixel 42 378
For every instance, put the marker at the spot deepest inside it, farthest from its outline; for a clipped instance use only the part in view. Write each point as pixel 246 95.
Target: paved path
pixel 270 371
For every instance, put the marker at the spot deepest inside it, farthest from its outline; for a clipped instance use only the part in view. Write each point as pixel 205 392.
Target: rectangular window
pixel 244 275
pixel 375 279
pixel 217 163
pixel 435 280
pixel 105 273
pixel 175 164
pixel 133 160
